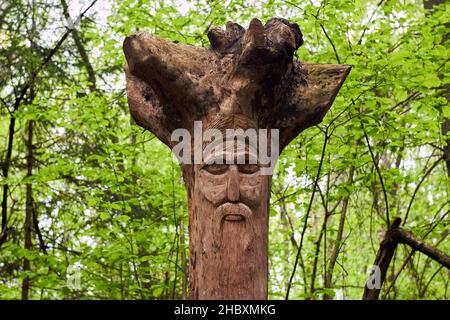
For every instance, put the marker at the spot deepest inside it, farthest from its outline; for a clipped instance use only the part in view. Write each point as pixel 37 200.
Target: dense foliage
pixel 96 209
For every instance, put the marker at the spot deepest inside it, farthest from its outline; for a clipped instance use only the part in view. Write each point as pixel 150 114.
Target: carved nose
pixel 233 184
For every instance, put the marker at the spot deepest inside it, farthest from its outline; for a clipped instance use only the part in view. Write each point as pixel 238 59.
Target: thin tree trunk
pixel 338 240
pixel 286 225
pixel 80 47
pixel 184 292
pixel 5 171
pixel 445 131
pixel 381 264
pixel 317 253
pixel 28 211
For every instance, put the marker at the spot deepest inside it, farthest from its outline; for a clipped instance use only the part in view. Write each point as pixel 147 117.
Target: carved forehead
pixel 225 156
pixel 233 136
pixel 223 121
pixel 232 127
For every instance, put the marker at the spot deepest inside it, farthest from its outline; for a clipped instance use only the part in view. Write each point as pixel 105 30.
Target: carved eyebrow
pixel 222 157
pixel 213 160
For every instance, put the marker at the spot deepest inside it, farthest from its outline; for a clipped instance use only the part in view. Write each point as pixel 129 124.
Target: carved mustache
pixel 234 211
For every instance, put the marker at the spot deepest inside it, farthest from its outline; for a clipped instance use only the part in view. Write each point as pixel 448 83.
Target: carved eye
pixel 248 168
pixel 216 168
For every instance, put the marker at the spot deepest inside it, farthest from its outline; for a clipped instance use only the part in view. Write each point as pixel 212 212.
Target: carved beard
pixel 231 254
pixel 230 217
pixel 228 249
pixel 231 239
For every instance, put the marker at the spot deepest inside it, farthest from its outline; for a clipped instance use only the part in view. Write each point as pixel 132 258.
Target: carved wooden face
pixel 235 190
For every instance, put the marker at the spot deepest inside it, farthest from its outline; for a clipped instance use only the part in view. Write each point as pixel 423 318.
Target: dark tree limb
pixel 81 50
pixel 393 237
pixel 433 226
pixel 382 261
pixel 28 211
pixel 406 237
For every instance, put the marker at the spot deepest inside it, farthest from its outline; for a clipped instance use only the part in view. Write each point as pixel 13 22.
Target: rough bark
pixel 246 79
pixel 249 72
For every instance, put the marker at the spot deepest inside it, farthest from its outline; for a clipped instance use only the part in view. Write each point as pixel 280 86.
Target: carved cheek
pixel 251 187
pixel 213 188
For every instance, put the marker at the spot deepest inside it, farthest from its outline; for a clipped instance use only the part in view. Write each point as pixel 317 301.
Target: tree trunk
pixel 338 241
pixel 247 80
pixel 28 211
pixel 380 267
